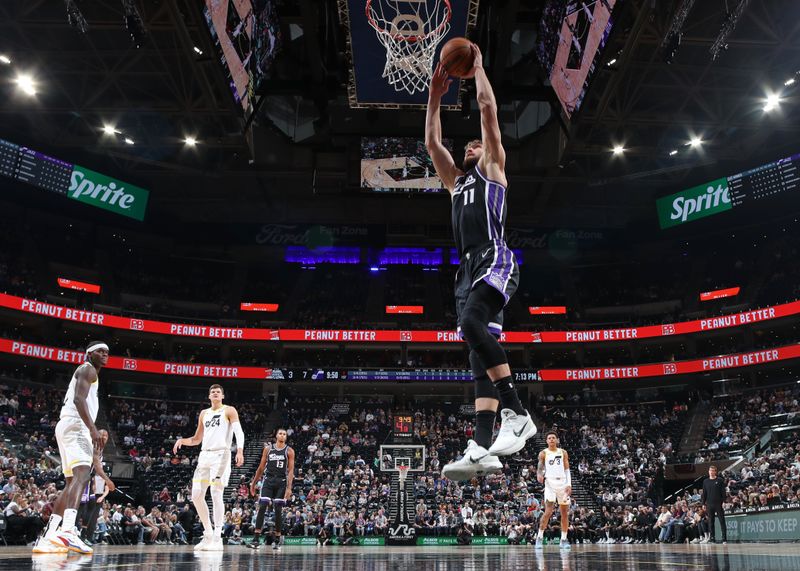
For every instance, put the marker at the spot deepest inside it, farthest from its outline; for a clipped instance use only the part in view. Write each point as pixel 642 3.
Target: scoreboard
pixel 32 167
pixel 765 181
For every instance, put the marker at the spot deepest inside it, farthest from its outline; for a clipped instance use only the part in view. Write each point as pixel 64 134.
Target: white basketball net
pixel 402 472
pixel 410 30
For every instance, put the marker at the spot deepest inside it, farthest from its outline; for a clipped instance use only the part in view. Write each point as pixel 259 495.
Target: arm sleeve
pixel 569 477
pixel 238 434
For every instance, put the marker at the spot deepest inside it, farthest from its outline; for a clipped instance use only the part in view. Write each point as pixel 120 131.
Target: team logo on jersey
pixel 496 280
pixel 470 180
pixel 214 421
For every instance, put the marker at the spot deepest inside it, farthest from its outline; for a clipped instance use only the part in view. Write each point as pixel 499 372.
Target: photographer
pixel 464 535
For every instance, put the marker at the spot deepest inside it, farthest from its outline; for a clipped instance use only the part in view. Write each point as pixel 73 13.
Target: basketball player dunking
pixel 278 461
pixel 77 438
pixel 215 429
pixel 553 472
pixel 487 276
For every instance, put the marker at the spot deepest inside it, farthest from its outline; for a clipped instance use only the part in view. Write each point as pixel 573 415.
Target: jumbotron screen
pixel 247 37
pixel 572 35
pixel 399 165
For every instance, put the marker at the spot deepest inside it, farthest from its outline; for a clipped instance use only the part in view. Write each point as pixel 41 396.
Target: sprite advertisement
pixel 102 191
pixel 694 203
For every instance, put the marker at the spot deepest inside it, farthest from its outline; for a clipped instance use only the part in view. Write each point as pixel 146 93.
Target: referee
pixel 713 496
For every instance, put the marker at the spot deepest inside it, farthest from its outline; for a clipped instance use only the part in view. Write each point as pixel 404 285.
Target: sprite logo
pixel 108 193
pixel 694 203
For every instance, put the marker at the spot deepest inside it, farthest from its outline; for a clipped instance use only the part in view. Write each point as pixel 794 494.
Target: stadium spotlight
pixel 772 102
pixel 612 62
pixel 787 83
pixel 26 84
pixel 190 141
pixel 198 51
pixel 5 59
pixel 673 152
pixel 695 142
pixel 618 149
pixel 110 130
pixel 128 141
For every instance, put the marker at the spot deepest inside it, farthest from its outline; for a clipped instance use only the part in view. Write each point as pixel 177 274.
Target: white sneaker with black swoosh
pixel 476 461
pixel 515 430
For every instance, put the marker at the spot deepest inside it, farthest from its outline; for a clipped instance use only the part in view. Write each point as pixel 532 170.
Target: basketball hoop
pixel 410 38
pixel 402 472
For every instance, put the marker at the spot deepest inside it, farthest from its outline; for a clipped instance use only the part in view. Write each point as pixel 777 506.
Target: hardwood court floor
pixel 731 557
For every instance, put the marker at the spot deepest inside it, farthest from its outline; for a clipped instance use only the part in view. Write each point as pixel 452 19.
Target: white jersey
pixel 554 464
pixel 92 402
pixel 217 430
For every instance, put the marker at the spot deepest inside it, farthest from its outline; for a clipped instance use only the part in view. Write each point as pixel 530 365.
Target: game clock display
pixel 403 426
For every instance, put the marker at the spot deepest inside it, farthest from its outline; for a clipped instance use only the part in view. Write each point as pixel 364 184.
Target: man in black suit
pixel 714 492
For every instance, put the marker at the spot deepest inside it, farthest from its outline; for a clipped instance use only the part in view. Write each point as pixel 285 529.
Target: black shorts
pixel 493 263
pixel 273 489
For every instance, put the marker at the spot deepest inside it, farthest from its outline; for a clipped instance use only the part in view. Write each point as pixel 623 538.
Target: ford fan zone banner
pixel 234 372
pixel 392 335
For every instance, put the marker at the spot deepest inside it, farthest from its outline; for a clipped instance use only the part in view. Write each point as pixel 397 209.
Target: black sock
pixel 484 427
pixel 508 395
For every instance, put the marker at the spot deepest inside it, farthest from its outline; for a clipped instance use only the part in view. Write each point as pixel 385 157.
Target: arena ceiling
pixel 305 138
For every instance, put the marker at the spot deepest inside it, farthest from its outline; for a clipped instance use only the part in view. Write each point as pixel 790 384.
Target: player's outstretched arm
pixel 260 470
pixel 289 473
pixel 441 157
pixel 494 155
pixel 238 433
pixel 194 440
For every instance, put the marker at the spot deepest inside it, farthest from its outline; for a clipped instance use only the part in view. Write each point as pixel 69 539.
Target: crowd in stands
pixel 617 442
pixel 736 421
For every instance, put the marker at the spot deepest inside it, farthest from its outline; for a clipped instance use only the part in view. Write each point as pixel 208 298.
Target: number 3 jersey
pixel 554 464
pixel 217 430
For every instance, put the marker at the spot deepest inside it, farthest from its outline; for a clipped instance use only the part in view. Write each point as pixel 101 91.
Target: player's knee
pixel 474 329
pixel 198 493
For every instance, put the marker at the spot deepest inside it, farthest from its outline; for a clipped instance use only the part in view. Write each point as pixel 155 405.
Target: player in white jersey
pixel 77 438
pixel 215 429
pixel 553 472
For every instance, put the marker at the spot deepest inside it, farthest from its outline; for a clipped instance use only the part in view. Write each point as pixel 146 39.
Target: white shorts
pixel 74 444
pixel 556 491
pixel 213 468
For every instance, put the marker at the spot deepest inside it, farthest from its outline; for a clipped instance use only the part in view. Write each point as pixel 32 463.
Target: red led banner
pixel 138 365
pixel 269 307
pixel 719 293
pixel 393 335
pixel 673 368
pixel 234 372
pixel 80 286
pixel 416 309
pixel 548 310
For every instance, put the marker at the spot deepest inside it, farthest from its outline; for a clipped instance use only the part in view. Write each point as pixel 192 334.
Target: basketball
pixel 456 57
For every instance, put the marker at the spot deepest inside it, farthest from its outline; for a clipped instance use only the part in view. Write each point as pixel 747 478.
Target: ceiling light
pixel 26 84
pixel 772 102
pixel 787 83
pixel 109 130
pixel 673 152
pixel 198 51
pixel 190 141
pixel 695 142
pixel 128 141
pixel 612 62
pixel 5 59
pixel 618 149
